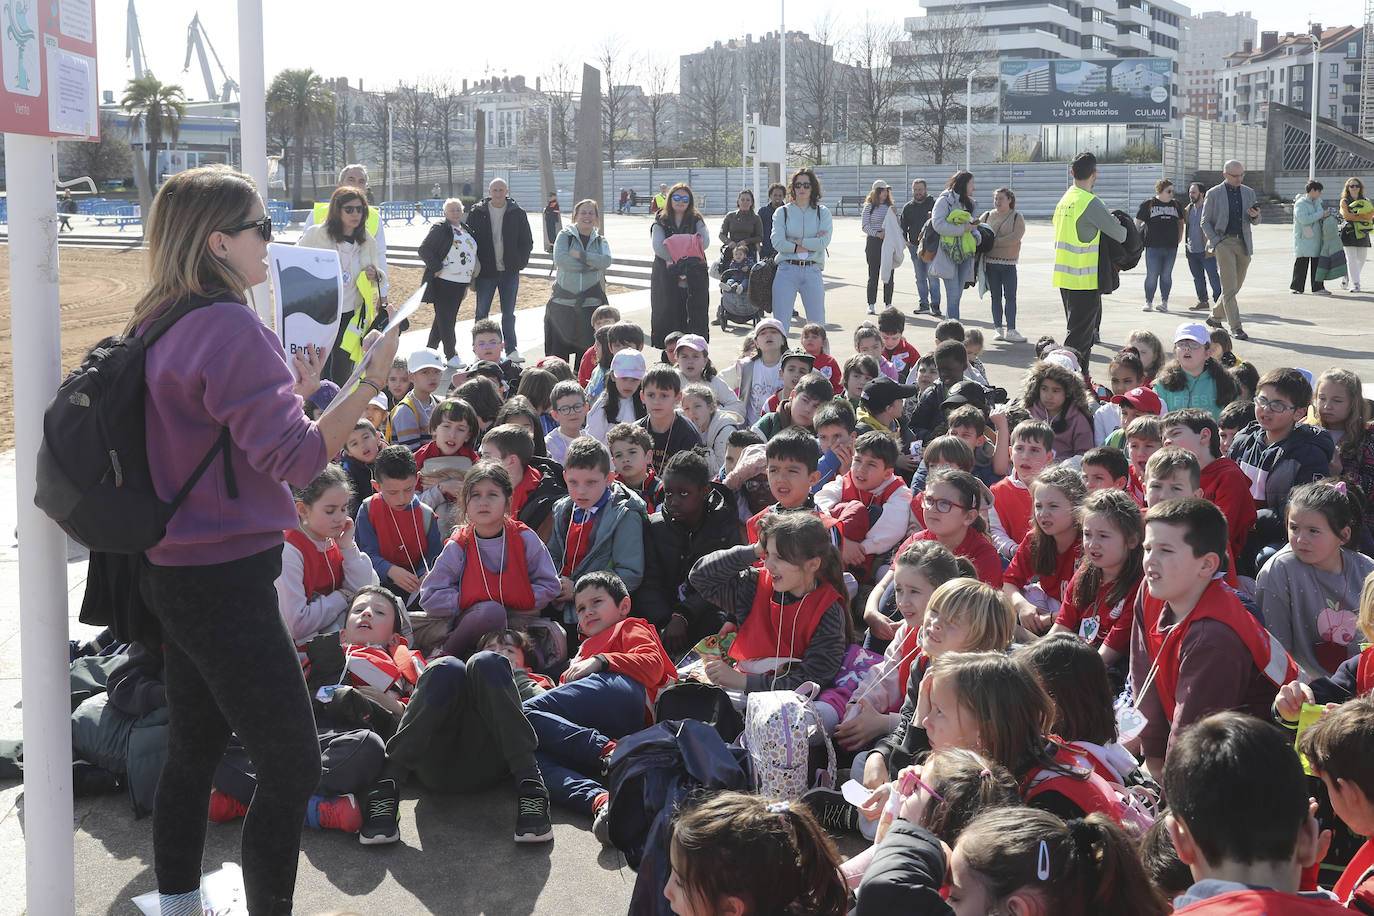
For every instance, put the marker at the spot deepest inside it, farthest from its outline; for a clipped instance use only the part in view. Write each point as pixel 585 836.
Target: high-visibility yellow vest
pixel 360 320
pixel 1075 262
pixel 374 216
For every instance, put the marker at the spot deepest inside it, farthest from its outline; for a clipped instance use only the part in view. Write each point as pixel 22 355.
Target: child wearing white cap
pixel 694 365
pixel 621 401
pixel 410 418
pixel 1192 378
pixel 761 375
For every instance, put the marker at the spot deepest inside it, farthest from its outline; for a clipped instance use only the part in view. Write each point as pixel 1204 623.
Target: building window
pixel 1352 50
pixel 1335 70
pixel 1298 93
pixel 1331 112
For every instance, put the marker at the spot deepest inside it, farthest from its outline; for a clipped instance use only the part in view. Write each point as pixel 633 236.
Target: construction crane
pixel 196 41
pixel 133 42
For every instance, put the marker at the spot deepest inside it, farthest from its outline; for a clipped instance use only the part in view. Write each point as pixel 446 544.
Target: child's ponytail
pixel 1113 879
pixel 817 862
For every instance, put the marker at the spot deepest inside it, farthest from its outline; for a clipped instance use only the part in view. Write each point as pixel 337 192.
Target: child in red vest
pixel 872 504
pixel 1049 552
pixel 1195 648
pixel 538 481
pixel 1032 450
pixel 793 612
pixel 1339 748
pixel 631 454
pixel 1099 604
pixel 321 566
pixel 1222 480
pixel 607 693
pixel 399 533
pixel 453 428
pixel 490 567
pixel 1241 819
pixel 793 467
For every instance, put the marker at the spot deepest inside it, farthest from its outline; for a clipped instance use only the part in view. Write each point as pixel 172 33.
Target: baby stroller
pixel 734 297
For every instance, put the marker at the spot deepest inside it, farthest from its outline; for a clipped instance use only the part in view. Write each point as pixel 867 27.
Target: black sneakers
pixel 835 814
pixel 532 824
pixel 380 816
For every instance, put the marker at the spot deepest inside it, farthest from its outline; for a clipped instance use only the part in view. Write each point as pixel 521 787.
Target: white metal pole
pixel 968 124
pixel 744 142
pixel 1314 96
pixel 782 86
pixel 390 168
pixel 253 120
pixel 49 866
pixel 757 197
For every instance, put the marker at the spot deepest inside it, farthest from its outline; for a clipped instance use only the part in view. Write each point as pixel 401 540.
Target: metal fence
pixel 1205 146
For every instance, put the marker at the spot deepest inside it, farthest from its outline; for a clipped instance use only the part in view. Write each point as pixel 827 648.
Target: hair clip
pixel 778 807
pixel 1042 866
pixel 985 772
pixel 1339 487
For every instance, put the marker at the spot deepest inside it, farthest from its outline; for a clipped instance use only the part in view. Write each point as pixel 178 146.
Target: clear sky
pixel 358 38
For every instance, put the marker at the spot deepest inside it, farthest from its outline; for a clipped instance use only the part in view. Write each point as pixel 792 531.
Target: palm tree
pixel 302 100
pixel 158 108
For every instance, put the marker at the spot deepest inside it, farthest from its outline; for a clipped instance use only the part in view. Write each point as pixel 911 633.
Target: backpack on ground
pixel 93 474
pixel 778 728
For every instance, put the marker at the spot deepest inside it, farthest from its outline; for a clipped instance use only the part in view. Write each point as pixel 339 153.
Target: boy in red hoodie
pixel 1223 481
pixel 607 692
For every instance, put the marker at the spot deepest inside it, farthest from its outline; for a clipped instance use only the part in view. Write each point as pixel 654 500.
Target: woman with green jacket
pixel 581 256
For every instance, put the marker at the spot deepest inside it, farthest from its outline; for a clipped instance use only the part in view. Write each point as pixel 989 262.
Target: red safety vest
pixel 1217 603
pixel 775 631
pixel 1364 674
pixel 401 536
pixel 323 569
pixel 879 497
pixel 1092 793
pixel 511 587
pixel 751 527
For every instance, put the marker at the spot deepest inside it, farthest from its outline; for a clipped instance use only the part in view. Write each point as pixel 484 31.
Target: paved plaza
pixel 456 855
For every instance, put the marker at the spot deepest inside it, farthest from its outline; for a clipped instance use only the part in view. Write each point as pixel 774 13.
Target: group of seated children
pixel 1072 602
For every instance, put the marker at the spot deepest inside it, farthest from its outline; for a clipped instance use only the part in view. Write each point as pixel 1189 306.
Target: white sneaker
pixel 1148 308
pixel 1162 307
pixel 870 309
pixel 997 333
pixel 1015 336
pixel 1356 288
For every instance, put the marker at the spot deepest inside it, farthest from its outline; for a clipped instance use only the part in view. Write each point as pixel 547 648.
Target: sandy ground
pixel 99 288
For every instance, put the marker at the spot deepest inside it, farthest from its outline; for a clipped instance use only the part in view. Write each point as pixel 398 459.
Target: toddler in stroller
pixel 734 290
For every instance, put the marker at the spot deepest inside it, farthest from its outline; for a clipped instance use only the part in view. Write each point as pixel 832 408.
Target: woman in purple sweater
pixel 230 665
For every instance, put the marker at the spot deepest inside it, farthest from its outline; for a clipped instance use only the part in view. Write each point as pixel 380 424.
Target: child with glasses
pixel 570 411
pixel 1278 452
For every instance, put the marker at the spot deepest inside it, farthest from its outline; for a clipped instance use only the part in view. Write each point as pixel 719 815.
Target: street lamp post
pixel 1314 97
pixel 968 124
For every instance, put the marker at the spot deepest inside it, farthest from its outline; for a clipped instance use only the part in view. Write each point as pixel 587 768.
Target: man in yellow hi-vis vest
pixel 1080 218
pixel 356 176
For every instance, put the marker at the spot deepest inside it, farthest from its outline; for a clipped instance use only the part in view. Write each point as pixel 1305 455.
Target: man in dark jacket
pixel 553 221
pixel 914 216
pixel 504 242
pixel 776 195
pixel 695 520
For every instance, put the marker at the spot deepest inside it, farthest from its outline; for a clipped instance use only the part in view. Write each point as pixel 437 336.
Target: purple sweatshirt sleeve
pixel 543 577
pixel 439 590
pixel 221 366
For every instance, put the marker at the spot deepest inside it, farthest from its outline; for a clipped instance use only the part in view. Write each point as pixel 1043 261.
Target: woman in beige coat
pixel 345 231
pixel 1000 263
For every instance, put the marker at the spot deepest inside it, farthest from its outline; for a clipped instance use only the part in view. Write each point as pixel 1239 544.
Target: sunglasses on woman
pixel 352 209
pixel 264 227
pixel 681 197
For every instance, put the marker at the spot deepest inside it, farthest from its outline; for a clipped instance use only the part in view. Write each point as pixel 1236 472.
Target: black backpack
pixel 93 474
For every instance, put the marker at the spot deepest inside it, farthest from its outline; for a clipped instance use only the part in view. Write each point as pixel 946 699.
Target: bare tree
pixel 445 104
pixel 875 83
pixel 936 62
pixel 818 85
pixel 617 71
pixel 710 102
pixel 379 108
pixel 655 103
pixel 347 111
pixel 100 160
pixel 561 89
pixel 413 125
pixel 762 79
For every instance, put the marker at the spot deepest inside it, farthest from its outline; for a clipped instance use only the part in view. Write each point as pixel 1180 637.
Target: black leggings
pixel 231 667
pixel 448 296
pixel 873 250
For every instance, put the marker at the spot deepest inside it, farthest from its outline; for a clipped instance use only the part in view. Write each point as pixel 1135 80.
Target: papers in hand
pixel 408 308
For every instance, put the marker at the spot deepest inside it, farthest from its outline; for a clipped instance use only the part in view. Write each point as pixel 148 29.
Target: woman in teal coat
pixel 1307 238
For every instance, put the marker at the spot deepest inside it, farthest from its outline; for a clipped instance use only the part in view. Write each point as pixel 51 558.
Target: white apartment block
pixel 1280 70
pixel 1071 29
pixel 1207 38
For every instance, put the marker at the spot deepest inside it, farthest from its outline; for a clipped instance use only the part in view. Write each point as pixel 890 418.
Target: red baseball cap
pixel 1141 399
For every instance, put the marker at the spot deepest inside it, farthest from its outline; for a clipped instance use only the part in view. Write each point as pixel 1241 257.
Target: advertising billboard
pixel 1117 90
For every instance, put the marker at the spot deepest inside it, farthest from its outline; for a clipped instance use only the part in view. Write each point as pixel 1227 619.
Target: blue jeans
pixel 508 283
pixel 791 280
pixel 1198 262
pixel 574 721
pixel 954 290
pixel 1159 271
pixel 1002 285
pixel 927 293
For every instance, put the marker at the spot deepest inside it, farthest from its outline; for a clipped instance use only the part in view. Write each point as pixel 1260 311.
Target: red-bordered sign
pixel 47 69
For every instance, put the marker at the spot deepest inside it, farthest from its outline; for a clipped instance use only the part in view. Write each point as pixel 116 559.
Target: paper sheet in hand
pixel 409 308
pixel 308 287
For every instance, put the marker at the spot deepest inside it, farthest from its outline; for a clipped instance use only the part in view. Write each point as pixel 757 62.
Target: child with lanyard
pixel 396 531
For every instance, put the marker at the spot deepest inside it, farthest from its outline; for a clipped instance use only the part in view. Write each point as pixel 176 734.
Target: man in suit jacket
pixel 1228 212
